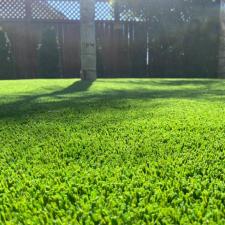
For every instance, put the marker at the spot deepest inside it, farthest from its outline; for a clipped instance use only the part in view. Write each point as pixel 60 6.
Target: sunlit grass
pixel 118 151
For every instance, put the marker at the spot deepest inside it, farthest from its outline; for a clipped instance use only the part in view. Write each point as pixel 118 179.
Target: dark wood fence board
pixel 71 49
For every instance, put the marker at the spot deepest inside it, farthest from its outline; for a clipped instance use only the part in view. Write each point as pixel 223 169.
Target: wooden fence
pixel 25 39
pixel 121 49
pixel 125 47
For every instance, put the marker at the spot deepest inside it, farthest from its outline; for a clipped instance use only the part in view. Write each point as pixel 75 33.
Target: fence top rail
pixel 59 10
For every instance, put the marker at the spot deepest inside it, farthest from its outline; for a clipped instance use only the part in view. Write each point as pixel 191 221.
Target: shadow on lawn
pixel 28 103
pixel 88 101
pixel 190 82
pixel 79 86
pixel 169 82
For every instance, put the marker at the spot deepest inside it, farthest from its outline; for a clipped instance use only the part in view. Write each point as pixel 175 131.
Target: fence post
pixel 28 19
pixel 28 10
pixel 117 40
pixel 88 40
pixel 221 53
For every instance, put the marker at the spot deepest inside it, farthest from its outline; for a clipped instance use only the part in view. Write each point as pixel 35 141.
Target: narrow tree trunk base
pixel 88 75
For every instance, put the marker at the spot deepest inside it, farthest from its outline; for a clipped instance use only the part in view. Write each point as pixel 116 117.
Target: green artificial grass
pixel 118 151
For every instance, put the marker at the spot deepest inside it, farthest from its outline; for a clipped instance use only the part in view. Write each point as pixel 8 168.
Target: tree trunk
pixel 88 40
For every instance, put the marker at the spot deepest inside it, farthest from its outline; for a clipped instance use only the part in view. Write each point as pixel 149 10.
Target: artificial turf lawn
pixel 126 151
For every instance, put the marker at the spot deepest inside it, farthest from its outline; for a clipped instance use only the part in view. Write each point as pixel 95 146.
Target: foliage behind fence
pixel 128 44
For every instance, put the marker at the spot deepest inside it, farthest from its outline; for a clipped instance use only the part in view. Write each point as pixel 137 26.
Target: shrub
pixel 6 59
pixel 48 54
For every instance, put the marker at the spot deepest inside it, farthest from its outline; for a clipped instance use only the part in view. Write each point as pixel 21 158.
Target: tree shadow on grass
pixel 79 86
pixel 29 103
pixel 86 102
pixel 168 82
pixel 189 82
